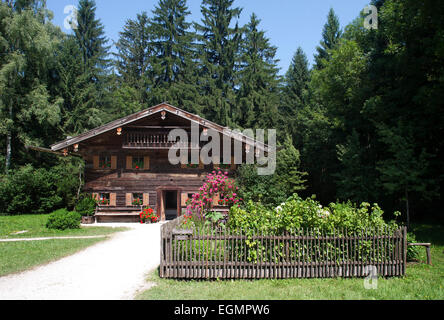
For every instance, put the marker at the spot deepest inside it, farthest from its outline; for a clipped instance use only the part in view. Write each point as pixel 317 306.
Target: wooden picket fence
pixel 209 253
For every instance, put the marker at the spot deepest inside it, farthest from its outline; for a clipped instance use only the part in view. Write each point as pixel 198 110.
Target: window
pixel 138 163
pixel 137 199
pixel 104 199
pixel 105 162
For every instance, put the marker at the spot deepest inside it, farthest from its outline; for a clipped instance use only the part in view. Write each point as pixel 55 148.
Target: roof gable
pixel 114 125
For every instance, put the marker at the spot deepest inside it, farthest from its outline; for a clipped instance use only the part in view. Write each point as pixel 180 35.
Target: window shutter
pixel 184 199
pixel 95 196
pixel 146 163
pixel 129 199
pixel 113 162
pixel 129 162
pixel 146 199
pixel 113 199
pixel 96 162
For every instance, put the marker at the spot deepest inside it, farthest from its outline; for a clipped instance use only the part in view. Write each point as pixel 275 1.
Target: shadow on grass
pixel 429 232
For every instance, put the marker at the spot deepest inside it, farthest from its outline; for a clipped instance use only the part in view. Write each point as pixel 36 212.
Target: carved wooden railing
pixel 150 140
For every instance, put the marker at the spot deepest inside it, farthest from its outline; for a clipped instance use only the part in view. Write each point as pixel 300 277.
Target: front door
pixel 171 205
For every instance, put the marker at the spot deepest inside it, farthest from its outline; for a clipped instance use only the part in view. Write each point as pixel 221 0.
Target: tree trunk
pixel 8 144
pixel 407 207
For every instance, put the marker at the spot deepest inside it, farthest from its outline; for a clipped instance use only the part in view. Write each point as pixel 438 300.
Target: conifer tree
pixel 85 76
pixel 295 94
pixel 173 60
pixel 258 94
pixel 330 37
pixel 91 39
pixel 218 55
pixel 80 110
pixel 133 58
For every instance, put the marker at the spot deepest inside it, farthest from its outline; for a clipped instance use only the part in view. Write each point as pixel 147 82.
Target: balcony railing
pixel 147 140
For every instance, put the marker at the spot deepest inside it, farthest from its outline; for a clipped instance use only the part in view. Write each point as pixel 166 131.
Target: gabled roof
pixel 152 111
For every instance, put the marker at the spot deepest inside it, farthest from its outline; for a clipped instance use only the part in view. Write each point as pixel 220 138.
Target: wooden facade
pixel 127 163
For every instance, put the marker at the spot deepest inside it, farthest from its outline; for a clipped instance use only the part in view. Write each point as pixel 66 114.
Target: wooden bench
pixel 427 246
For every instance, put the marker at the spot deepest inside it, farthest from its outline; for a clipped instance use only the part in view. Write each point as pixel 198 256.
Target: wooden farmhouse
pixel 127 162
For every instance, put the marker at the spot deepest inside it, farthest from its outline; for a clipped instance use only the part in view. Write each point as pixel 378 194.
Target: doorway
pixel 171 205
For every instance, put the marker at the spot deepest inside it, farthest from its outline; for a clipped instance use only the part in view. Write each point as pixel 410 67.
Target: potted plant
pixel 148 216
pixel 137 202
pixel 87 209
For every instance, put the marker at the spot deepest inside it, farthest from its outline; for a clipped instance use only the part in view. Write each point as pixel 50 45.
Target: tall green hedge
pixel 39 191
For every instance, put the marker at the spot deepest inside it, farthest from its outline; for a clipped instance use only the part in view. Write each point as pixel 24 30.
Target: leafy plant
pixel 148 214
pixel 62 219
pixel 86 207
pixel 217 185
pixel 214 217
pixel 412 251
pixel 27 190
pixel 298 215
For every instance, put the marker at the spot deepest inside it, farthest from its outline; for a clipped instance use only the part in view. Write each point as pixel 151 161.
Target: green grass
pixel 20 256
pixel 422 282
pixel 35 225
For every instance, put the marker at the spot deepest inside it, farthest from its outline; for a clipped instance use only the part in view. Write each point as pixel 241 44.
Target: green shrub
pixel 412 252
pixel 274 189
pixel 29 191
pixel 297 213
pixel 86 206
pixel 63 219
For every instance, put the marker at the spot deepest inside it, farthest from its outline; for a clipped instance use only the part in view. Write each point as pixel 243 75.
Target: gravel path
pixel 115 269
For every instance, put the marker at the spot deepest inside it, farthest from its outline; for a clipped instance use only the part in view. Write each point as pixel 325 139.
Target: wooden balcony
pixel 151 140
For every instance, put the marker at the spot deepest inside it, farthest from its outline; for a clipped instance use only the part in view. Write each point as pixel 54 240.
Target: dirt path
pixel 115 269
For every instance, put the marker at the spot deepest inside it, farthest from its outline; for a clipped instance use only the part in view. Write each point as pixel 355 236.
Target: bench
pixel 427 246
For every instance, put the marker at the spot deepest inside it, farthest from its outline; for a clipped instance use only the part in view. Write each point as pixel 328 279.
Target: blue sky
pixel 289 23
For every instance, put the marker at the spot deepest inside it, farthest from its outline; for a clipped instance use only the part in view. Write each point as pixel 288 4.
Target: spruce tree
pixel 296 80
pixel 91 39
pixel 218 55
pixel 258 94
pixel 330 37
pixel 133 58
pixel 80 110
pixel 94 77
pixel 295 94
pixel 173 60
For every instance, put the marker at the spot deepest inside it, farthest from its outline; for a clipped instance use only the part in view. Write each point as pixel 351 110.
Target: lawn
pixel 421 282
pixel 35 227
pixel 20 256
